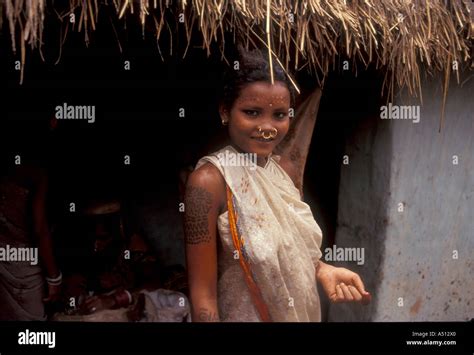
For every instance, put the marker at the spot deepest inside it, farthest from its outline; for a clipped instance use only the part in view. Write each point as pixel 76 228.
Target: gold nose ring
pixel 270 135
pixel 267 137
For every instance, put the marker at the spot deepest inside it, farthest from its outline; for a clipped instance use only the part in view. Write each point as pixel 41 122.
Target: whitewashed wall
pixel 410 256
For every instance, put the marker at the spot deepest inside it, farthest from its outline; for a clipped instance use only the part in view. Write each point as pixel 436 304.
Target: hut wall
pixel 410 257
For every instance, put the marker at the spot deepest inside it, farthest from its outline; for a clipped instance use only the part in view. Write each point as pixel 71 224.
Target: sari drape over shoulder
pixel 280 240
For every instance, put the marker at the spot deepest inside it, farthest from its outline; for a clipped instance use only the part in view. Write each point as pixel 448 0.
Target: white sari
pixel 281 241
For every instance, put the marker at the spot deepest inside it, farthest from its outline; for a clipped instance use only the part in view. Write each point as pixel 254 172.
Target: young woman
pixel 252 244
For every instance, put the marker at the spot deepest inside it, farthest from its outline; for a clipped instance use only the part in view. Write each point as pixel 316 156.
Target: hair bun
pixel 252 57
pixel 253 66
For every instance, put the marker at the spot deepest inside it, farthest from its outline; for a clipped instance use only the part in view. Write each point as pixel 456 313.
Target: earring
pixel 225 122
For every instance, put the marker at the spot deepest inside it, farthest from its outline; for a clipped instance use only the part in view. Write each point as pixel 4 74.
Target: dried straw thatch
pixel 403 37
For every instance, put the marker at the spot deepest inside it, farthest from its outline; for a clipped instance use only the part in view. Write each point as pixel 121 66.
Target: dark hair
pixel 253 66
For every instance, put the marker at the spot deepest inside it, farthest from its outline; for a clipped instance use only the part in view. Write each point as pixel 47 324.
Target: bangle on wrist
pixel 55 281
pixel 130 298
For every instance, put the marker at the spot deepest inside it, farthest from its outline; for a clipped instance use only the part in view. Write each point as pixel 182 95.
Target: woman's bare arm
pixel 42 233
pixel 204 200
pixel 40 225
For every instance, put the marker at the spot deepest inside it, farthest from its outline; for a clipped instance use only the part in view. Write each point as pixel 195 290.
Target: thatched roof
pixel 404 37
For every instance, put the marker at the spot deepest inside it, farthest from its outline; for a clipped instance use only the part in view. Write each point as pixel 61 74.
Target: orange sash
pixel 244 263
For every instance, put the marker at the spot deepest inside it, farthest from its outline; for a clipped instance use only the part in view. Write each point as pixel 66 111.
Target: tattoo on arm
pixel 205 315
pixel 198 204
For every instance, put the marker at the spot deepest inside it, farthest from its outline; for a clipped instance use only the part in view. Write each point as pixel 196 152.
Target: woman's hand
pixel 341 284
pixel 94 304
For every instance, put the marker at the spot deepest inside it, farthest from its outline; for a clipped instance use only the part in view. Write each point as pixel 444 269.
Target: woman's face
pixel 260 109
